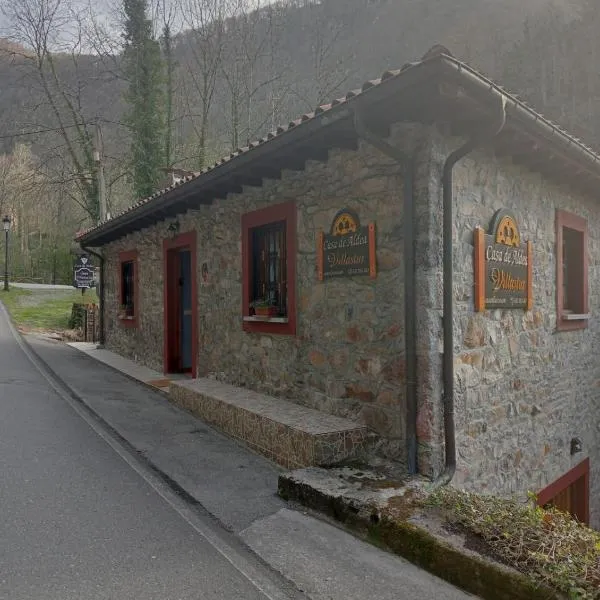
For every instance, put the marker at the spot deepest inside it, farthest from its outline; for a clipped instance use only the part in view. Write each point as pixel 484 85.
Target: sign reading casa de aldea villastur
pixel 503 266
pixel 348 249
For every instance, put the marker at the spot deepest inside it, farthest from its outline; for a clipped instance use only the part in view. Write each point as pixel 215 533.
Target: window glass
pixel 269 269
pixel 572 271
pixel 128 288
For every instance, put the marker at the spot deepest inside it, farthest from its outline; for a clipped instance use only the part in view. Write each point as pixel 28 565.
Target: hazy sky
pixel 106 12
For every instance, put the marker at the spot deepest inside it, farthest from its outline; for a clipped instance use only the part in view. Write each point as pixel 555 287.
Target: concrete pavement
pixel 238 488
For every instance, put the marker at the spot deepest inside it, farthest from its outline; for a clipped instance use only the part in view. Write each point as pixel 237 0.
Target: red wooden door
pixel 172 311
pixel 180 335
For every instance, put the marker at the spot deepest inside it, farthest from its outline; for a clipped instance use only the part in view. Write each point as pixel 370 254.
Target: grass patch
pixel 11 298
pixel 546 545
pixel 48 310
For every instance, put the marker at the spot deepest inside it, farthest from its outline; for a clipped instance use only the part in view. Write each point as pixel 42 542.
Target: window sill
pixel 572 321
pixel 127 321
pixel 575 317
pixel 255 319
pixel 269 325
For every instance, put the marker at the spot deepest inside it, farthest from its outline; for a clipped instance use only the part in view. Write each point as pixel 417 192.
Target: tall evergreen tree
pixel 145 96
pixel 169 65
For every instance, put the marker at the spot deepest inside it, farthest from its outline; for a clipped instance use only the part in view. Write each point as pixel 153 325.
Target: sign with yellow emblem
pixel 348 249
pixel 503 266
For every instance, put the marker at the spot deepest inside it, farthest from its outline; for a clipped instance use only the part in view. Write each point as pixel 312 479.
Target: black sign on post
pixel 83 273
pixel 348 249
pixel 503 266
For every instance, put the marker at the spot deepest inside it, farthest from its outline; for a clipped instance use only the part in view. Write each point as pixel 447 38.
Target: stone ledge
pixel 294 436
pixel 356 499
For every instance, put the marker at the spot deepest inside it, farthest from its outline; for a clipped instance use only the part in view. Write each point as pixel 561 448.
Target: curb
pixel 171 483
pixel 469 572
pixel 140 454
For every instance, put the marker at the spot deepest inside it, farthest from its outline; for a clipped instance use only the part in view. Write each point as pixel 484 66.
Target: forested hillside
pixel 234 69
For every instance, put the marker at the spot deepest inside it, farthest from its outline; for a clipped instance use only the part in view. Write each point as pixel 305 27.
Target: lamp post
pixel 6 225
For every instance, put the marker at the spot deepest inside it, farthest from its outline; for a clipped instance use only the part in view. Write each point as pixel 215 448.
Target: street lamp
pixel 6 225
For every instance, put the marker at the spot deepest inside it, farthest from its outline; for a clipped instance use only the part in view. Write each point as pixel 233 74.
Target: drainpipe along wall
pixel 101 296
pixel 448 294
pixel 406 163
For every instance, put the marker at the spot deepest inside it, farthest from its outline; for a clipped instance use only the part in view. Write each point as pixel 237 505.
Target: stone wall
pixel 347 356
pixel 523 390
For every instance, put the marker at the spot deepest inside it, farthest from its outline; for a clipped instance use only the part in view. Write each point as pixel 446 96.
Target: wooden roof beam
pixel 247 179
pixel 223 190
pixel 293 163
pixel 267 172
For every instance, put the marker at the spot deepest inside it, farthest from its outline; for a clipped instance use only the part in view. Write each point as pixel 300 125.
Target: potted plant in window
pixel 264 308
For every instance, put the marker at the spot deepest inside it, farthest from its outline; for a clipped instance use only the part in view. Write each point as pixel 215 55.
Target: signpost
pixel 503 266
pixel 348 249
pixel 83 274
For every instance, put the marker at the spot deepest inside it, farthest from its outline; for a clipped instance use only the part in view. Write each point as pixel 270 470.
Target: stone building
pixel 343 284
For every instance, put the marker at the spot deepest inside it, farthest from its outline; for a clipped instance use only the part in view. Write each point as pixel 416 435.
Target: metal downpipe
pixel 448 304
pixel 406 163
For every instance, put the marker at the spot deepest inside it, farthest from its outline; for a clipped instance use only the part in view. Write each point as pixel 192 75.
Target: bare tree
pixel 202 50
pixel 253 74
pixel 51 28
pixel 326 25
pixel 42 214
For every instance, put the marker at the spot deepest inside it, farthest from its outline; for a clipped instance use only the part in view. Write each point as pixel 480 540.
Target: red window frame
pixel 581 471
pixel 568 220
pixel 259 218
pixel 125 257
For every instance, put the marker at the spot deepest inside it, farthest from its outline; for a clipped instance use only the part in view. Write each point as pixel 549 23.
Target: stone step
pixel 292 435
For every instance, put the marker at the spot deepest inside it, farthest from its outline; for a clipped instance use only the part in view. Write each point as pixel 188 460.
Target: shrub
pixel 547 545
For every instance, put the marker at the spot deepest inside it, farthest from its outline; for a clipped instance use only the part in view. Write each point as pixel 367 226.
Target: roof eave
pixel 523 117
pixel 419 77
pixel 117 227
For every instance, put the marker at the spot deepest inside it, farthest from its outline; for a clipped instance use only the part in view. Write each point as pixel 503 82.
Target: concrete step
pixel 292 435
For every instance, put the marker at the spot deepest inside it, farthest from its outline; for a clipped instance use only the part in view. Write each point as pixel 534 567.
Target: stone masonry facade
pixel 347 356
pixel 523 389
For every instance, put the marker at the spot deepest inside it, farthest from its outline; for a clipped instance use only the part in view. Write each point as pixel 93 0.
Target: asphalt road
pixel 80 519
pixel 42 286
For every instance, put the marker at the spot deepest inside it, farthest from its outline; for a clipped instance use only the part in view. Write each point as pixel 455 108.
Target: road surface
pixel 84 517
pixel 78 522
pixel 41 286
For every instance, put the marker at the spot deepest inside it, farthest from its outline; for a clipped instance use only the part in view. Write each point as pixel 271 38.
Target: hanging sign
pixel 348 249
pixel 503 266
pixel 83 273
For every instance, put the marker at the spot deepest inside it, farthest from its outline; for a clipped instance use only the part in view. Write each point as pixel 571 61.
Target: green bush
pixel 545 544
pixel 77 318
